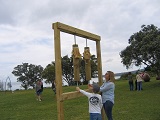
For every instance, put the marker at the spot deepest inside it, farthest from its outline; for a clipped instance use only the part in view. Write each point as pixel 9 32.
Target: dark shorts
pixel 39 92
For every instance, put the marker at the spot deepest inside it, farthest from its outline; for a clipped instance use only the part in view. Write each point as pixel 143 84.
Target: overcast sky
pixel 26 34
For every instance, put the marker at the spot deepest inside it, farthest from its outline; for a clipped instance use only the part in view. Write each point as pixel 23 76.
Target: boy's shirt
pixel 95 102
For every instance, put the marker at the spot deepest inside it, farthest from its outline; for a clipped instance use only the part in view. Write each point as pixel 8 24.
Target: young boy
pixel 95 101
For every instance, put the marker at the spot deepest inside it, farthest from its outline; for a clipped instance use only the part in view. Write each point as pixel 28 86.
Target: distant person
pixel 95 101
pixel 41 83
pixel 54 87
pixel 136 84
pixel 130 81
pixel 107 90
pixel 139 78
pixel 38 90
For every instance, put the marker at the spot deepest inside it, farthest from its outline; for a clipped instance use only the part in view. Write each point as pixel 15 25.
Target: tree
pixel 82 71
pixel 28 74
pixel 94 69
pixel 67 69
pixel 144 49
pixel 49 73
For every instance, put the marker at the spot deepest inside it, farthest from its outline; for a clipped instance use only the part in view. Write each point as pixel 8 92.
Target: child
pixel 38 90
pixel 95 101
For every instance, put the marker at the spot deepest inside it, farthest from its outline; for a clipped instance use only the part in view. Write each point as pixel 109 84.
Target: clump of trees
pixel 49 73
pixel 67 70
pixel 144 48
pixel 28 74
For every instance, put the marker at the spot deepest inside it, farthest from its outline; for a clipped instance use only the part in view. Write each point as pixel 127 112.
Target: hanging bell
pixel 87 56
pixel 76 62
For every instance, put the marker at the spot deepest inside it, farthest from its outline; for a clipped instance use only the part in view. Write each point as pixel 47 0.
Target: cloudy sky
pixel 26 33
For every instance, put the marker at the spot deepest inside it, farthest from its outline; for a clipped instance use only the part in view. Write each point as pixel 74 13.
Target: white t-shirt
pixel 95 102
pixel 139 78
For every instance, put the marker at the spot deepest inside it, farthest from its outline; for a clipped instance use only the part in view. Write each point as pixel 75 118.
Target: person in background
pixel 95 101
pixel 38 90
pixel 54 87
pixel 139 78
pixel 107 90
pixel 130 81
pixel 136 84
pixel 41 83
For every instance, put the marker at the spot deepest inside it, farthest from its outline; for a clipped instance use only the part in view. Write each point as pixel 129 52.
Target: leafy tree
pixel 144 49
pixel 67 69
pixel 49 73
pixel 82 72
pixel 28 74
pixel 94 69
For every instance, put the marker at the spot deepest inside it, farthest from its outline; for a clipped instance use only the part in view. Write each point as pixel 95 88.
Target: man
pixel 139 81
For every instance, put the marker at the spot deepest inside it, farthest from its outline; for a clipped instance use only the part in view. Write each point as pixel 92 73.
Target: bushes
pixel 146 77
pixel 158 78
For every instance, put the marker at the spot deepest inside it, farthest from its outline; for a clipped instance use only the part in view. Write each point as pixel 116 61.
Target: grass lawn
pixel 129 105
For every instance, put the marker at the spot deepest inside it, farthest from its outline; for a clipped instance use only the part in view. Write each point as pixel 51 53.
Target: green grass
pixel 129 105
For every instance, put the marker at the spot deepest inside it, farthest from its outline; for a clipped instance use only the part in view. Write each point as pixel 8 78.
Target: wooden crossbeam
pixel 75 31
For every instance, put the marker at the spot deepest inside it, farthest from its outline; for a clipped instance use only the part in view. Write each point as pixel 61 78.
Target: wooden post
pixel 58 72
pixel 100 79
pixel 98 48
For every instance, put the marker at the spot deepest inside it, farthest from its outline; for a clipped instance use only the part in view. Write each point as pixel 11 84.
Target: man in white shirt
pixel 139 78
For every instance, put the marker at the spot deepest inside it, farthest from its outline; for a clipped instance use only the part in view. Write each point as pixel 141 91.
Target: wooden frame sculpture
pixel 60 96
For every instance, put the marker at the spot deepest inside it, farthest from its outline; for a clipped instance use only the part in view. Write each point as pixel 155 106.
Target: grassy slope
pixel 129 105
